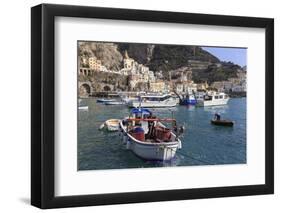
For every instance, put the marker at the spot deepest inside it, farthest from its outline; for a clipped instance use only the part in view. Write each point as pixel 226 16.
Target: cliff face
pixel 160 57
pixel 212 72
pixel 108 53
pixel 172 57
pixel 142 53
pixel 165 57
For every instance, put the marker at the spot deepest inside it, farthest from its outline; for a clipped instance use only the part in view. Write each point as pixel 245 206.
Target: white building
pixel 140 72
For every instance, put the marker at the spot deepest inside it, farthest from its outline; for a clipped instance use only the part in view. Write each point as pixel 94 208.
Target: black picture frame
pixel 43 105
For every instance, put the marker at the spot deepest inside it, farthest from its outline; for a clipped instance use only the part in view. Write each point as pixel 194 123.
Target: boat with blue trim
pixel 148 137
pixel 190 99
pixel 186 99
pixel 103 100
pixel 114 103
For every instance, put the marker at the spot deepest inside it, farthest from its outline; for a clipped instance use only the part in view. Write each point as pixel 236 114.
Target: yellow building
pixel 158 86
pixel 202 86
pixel 94 63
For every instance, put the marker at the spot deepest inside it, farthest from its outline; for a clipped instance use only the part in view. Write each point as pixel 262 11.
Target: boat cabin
pixel 159 98
pixel 215 96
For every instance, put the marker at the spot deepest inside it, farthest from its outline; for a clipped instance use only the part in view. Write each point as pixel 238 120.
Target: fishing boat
pixel 154 101
pixel 222 122
pixel 148 137
pixel 200 95
pixel 111 125
pixel 114 103
pixel 213 99
pixel 188 100
pixel 83 107
pixel 128 98
pixel 103 100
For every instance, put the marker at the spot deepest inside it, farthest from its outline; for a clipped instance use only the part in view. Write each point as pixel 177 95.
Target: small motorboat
pixel 148 137
pixel 114 103
pixel 222 122
pixel 213 99
pixel 111 125
pixel 103 100
pixel 83 107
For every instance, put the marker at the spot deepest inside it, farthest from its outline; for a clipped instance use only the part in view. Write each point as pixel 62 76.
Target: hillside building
pixel 94 63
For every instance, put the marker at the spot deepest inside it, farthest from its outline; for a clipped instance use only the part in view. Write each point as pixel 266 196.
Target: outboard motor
pixel 181 130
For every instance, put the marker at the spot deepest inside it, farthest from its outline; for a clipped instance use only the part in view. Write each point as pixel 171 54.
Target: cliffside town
pixel 108 67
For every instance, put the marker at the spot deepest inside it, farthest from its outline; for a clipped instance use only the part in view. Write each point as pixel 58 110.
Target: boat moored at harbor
pixel 103 100
pixel 154 101
pixel 82 106
pixel 148 137
pixel 213 99
pixel 127 98
pixel 111 125
pixel 222 122
pixel 189 100
pixel 114 103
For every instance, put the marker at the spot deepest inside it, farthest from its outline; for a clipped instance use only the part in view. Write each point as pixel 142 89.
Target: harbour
pixel 201 143
pixel 155 105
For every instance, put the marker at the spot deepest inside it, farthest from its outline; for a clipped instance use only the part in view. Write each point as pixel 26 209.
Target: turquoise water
pixel 202 143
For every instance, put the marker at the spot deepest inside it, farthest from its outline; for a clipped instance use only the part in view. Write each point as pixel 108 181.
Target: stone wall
pixel 105 81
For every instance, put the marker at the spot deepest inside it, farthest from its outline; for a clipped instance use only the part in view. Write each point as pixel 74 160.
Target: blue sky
pixel 235 55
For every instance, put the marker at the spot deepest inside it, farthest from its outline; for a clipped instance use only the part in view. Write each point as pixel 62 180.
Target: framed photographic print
pixel 139 106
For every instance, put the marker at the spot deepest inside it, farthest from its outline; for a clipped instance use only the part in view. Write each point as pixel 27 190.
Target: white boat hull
pixel 154 151
pixel 128 100
pixel 105 100
pixel 162 151
pixel 212 102
pixel 114 103
pixel 111 125
pixel 154 104
pixel 83 107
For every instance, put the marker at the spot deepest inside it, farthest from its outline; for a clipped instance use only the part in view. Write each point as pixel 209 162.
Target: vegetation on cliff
pixel 216 73
pixel 160 57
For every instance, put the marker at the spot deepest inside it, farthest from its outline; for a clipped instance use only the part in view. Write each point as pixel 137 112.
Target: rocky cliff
pixel 161 57
pixel 108 53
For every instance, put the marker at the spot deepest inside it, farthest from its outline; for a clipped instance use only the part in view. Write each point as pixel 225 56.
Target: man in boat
pixel 217 117
pixel 151 125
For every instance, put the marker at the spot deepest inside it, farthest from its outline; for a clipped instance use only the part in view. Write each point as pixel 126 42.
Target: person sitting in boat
pixel 217 117
pixel 138 122
pixel 175 127
pixel 151 125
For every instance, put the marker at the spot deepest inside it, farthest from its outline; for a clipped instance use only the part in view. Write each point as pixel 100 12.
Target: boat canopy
pixel 140 110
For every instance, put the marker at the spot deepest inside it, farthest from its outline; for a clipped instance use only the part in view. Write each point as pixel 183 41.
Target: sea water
pixel 202 142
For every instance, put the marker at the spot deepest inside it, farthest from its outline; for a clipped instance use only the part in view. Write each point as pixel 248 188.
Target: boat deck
pixel 153 141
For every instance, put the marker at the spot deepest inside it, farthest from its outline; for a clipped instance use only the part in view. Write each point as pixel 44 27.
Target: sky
pixel 235 55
